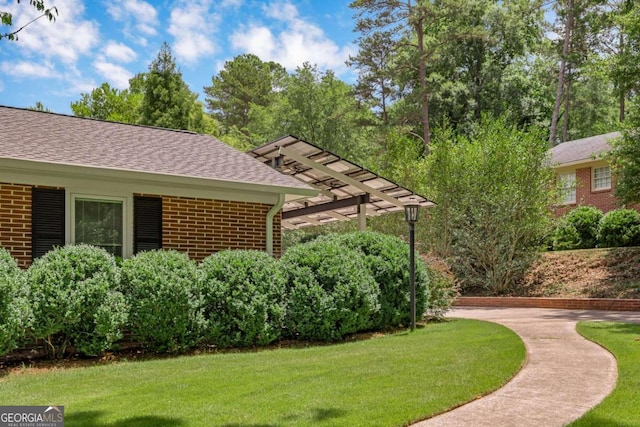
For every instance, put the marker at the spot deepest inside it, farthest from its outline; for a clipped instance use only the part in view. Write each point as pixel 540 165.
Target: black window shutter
pixel 47 220
pixel 147 227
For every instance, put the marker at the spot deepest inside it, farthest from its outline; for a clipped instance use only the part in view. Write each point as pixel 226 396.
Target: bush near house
pixel 74 299
pixel 387 258
pixel 331 291
pixel 620 227
pixel 321 290
pixel 14 307
pixel 585 227
pixel 244 298
pixel 164 297
pixel 578 229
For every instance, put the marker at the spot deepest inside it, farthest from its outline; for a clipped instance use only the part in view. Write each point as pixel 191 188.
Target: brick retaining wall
pixel 563 303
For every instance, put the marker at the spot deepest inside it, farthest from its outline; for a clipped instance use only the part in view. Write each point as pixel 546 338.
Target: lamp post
pixel 411 216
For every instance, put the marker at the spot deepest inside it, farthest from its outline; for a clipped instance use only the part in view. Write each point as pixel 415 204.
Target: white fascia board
pixel 64 175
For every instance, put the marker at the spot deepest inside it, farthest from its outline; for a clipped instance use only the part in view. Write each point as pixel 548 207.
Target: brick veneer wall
pixel 602 199
pixel 563 303
pixel 201 227
pixel 15 224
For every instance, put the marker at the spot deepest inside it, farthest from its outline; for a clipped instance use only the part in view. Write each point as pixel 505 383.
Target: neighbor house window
pixel 99 223
pixel 568 187
pixel 602 178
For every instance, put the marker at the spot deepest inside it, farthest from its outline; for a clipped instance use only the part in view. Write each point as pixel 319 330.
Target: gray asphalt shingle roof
pixel 582 149
pixel 56 138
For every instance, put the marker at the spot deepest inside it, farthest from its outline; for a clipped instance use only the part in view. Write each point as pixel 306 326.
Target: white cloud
pixel 119 52
pixel 29 69
pixel 192 25
pixel 115 74
pixel 64 40
pixel 136 14
pixel 297 40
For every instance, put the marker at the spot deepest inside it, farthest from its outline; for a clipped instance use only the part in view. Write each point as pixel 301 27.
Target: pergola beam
pixel 339 176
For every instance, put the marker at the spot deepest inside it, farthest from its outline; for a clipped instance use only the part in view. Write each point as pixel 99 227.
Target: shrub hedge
pixel 331 291
pixel 74 299
pixel 620 227
pixel 578 229
pixel 321 290
pixel 14 307
pixel 387 258
pixel 164 297
pixel 244 298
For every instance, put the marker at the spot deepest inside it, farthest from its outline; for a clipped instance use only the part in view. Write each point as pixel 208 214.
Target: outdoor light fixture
pixel 411 216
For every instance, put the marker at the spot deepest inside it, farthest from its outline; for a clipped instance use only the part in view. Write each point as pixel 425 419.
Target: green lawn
pixel 620 408
pixel 383 381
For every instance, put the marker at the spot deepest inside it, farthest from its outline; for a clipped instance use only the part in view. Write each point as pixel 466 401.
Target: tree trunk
pixel 561 74
pixel 567 109
pixel 424 95
pixel 622 85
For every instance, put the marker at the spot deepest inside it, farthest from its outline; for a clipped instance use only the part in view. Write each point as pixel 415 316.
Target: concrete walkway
pixel 564 375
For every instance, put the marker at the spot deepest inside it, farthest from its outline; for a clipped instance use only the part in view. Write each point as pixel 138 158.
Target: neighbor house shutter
pixel 147 228
pixel 47 220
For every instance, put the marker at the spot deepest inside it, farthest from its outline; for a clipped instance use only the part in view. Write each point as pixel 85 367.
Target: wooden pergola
pixel 346 191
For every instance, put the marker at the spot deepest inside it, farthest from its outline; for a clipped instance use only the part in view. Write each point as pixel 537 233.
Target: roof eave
pixel 124 175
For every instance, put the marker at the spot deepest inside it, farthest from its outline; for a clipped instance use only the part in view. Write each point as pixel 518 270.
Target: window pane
pixel 568 186
pixel 99 223
pixel 602 178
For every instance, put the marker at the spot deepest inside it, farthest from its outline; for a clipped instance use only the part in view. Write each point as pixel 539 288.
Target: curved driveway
pixel 564 375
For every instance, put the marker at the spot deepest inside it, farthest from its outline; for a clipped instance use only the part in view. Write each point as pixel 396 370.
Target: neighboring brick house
pixel 128 188
pixel 586 177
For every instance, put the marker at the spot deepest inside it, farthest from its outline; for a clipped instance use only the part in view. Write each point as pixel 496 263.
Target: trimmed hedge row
pixel 586 227
pixel 76 296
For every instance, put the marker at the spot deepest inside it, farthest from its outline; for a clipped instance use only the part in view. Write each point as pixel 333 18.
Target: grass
pixel 383 381
pixel 620 408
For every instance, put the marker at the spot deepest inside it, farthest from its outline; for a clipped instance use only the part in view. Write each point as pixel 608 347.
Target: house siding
pixel 15 221
pixel 198 227
pixel 201 227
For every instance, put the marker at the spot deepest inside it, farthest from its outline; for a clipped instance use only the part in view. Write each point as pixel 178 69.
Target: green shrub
pixel 244 298
pixel 387 258
pixel 74 299
pixel 165 300
pixel 578 229
pixel 14 307
pixel 331 291
pixel 565 236
pixel 620 227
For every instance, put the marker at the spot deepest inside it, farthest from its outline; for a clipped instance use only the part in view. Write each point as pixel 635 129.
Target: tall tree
pixel 375 67
pixel 244 81
pixel 6 18
pixel 167 100
pixel 405 23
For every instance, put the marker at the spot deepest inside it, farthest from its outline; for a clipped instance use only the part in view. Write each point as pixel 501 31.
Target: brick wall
pixel 15 224
pixel 602 199
pixel 562 303
pixel 201 227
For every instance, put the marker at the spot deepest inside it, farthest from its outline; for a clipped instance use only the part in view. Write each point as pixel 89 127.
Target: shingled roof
pixel 61 139
pixel 584 149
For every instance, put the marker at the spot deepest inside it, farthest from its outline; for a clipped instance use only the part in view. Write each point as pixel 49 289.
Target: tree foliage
pixel 6 18
pixel 492 193
pixel 244 82
pixel 167 100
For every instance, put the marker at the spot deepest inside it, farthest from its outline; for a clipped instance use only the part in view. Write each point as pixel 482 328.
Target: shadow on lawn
pixel 90 419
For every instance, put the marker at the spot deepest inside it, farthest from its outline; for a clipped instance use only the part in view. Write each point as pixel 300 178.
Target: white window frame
pixel 568 187
pixel 594 182
pixel 126 251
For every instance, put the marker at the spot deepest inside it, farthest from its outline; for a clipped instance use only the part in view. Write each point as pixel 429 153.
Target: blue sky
pixel 99 41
